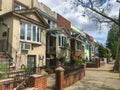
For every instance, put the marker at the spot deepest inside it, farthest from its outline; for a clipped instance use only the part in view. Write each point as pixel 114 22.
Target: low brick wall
pixel 64 80
pixel 38 81
pixel 6 84
pixel 73 77
pixel 95 64
pixel 98 63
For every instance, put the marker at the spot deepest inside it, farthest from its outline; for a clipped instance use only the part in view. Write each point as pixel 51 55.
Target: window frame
pixel 78 45
pixel 51 23
pixel 36 35
pixel 61 38
pixel 21 6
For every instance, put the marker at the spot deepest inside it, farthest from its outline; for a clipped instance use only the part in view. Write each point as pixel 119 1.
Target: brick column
pixel 60 78
pixel 38 81
pixel 97 63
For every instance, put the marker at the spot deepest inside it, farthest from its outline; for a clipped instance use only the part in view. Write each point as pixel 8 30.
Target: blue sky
pixel 75 16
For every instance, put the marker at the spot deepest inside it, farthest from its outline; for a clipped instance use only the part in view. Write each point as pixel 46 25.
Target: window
pixel 77 45
pixel 0 4
pixel 18 6
pixel 51 24
pixel 22 31
pixel 87 47
pixel 30 32
pixel 34 33
pixel 62 40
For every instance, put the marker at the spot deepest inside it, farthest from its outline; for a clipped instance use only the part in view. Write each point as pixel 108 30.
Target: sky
pixel 75 16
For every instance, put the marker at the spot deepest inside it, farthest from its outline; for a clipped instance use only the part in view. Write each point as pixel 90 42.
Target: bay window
pixel 30 32
pixel 62 40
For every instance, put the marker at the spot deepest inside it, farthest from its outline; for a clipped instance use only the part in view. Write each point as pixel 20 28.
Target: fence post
pixel 60 78
pixel 97 63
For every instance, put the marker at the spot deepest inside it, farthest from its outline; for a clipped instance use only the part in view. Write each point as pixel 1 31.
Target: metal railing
pixel 72 69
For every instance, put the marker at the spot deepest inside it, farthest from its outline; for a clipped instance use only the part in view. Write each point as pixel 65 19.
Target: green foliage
pixel 26 69
pixel 3 70
pixel 78 62
pixel 112 40
pixel 103 52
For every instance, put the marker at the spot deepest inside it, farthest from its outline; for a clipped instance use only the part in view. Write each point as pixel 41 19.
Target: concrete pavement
pixel 98 79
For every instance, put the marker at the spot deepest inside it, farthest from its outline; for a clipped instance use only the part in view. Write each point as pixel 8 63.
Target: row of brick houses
pixel 31 33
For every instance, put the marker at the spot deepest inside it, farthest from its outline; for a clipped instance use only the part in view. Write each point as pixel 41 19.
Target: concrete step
pixel 2 55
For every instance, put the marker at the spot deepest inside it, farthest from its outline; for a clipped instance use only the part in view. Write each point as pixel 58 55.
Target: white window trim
pixel 31 41
pixel 61 44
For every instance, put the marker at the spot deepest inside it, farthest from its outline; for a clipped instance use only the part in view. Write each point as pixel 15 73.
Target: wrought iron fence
pixel 71 69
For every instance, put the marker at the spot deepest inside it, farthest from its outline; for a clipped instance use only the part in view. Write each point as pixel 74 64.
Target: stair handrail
pixel 22 83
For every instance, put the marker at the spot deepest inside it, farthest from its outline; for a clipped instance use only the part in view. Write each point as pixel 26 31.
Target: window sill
pixel 78 50
pixel 32 42
pixel 62 47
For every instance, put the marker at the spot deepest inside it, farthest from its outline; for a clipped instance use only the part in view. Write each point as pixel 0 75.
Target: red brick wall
pixel 68 78
pixel 95 64
pixel 63 22
pixel 8 82
pixel 73 77
pixel 78 54
pixel 38 81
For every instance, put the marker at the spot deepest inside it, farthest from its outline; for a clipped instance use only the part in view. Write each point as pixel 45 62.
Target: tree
pixel 103 52
pixel 112 40
pixel 94 7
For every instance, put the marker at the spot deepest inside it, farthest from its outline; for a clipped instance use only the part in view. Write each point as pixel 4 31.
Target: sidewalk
pixel 98 79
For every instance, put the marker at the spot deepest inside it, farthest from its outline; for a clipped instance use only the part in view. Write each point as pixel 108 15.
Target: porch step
pixel 2 55
pixel 13 73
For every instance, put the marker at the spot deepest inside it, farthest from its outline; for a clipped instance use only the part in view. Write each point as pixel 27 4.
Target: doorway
pixel 31 63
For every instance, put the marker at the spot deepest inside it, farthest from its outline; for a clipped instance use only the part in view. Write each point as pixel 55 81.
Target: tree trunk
pixel 117 61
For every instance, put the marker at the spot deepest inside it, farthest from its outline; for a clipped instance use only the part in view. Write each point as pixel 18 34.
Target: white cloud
pixel 64 7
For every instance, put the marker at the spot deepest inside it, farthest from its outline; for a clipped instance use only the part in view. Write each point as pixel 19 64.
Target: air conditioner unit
pixel 25 46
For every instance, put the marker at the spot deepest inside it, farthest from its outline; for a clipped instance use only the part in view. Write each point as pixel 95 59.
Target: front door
pixel 31 63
